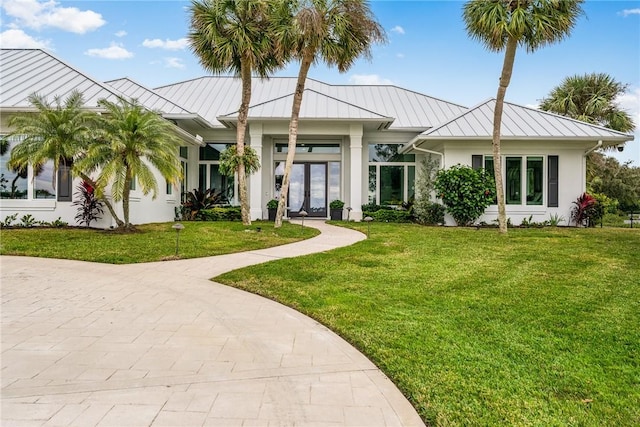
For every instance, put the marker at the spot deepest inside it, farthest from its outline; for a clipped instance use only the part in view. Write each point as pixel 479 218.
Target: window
pixel 391 175
pixel 169 188
pixel 528 181
pixel 13 181
pixel 309 148
pixel 513 185
pixel 209 176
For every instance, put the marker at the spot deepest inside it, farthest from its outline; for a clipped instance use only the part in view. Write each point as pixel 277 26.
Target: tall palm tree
pixel 590 98
pixel 505 25
pixel 131 139
pixel 336 32
pixel 232 36
pixel 60 132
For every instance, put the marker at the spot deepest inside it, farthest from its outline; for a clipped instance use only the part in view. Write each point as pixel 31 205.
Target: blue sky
pixel 428 50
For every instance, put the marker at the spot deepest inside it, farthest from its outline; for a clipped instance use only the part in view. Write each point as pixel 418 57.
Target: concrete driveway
pixel 158 344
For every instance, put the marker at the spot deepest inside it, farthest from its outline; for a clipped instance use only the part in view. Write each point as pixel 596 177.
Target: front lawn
pixel 541 327
pixel 151 242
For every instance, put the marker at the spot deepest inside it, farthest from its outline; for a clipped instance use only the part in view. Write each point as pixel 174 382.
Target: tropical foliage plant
pixel 584 210
pixel 197 201
pixel 89 205
pixel 465 192
pixel 505 25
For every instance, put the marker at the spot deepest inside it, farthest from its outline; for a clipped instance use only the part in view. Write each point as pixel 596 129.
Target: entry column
pixel 255 181
pixel 355 171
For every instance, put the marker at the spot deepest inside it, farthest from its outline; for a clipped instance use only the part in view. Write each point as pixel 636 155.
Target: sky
pixel 428 49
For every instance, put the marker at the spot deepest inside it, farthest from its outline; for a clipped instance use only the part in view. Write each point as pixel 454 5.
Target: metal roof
pixel 518 122
pixel 28 71
pixel 146 97
pixel 212 97
pixel 315 106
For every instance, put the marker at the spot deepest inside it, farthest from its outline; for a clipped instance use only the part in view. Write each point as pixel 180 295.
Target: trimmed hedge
pixel 228 213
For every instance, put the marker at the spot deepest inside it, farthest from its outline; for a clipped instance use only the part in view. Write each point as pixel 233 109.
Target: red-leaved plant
pixel 89 206
pixel 583 210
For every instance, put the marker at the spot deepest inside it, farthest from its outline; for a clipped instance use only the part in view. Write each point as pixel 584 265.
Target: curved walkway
pixel 159 344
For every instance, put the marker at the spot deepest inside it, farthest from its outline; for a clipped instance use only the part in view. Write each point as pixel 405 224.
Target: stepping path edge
pixel 158 344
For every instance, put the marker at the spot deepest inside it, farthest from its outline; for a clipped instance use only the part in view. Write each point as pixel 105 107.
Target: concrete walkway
pixel 159 344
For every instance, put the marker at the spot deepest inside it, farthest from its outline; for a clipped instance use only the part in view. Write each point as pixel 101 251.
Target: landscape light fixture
pixel 177 227
pixel 302 214
pixel 349 209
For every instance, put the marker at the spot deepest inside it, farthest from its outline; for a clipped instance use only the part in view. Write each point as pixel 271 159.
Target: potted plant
pixel 272 207
pixel 336 210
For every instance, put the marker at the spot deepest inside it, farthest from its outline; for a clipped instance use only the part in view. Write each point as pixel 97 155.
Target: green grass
pixel 541 327
pixel 152 242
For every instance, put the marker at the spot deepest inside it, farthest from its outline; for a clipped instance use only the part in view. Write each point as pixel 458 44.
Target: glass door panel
pixel 317 189
pixel 297 188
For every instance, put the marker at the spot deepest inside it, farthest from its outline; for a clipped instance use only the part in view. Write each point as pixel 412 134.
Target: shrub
pixel 227 213
pixel 465 192
pixel 336 204
pixel 197 200
pixel 89 206
pixel 584 210
pixel 272 204
pixel 429 213
pixel 392 215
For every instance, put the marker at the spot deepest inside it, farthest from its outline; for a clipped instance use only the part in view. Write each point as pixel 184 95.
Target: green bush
pixel 465 192
pixel 227 213
pixel 429 213
pixel 391 215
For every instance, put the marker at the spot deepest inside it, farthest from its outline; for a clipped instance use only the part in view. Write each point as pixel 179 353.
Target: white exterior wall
pixel 571 174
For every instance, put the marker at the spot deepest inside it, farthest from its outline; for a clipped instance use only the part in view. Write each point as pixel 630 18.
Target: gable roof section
pixel 27 71
pixel 315 106
pixel 212 97
pixel 519 122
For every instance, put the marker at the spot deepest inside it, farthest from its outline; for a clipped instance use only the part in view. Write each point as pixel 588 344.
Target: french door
pixel 308 189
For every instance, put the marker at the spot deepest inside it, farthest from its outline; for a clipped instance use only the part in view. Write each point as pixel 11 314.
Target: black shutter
pixel 476 161
pixel 65 182
pixel 552 181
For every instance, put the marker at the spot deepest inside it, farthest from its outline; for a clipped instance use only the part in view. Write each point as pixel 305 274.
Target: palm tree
pixel 505 25
pixel 60 132
pixel 131 139
pixel 232 36
pixel 336 32
pixel 590 98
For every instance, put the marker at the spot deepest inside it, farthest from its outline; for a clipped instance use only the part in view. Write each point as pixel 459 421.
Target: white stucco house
pixel 360 144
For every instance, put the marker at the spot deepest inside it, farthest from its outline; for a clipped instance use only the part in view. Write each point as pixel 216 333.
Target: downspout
pixel 424 150
pixel 584 164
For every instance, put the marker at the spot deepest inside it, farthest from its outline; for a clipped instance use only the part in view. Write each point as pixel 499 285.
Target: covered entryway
pixel 307 188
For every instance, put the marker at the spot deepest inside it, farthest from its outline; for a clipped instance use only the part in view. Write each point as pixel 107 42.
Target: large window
pixel 523 176
pixel 391 175
pixel 13 181
pixel 209 175
pixel 310 148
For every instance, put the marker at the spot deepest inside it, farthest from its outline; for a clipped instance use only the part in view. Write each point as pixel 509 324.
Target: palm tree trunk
pixel 245 73
pixel 126 192
pixel 103 199
pixel 505 79
pixel 305 65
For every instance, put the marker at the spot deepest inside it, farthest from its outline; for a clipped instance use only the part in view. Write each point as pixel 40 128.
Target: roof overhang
pixel 383 124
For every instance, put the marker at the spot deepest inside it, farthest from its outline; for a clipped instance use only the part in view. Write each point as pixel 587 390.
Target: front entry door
pixel 308 189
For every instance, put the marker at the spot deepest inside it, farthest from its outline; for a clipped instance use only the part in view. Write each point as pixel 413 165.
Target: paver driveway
pixel 159 344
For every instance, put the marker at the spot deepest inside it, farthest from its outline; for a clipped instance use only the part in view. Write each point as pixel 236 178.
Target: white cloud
pixel 18 39
pixel 397 29
pixel 121 33
pixel 49 14
pixel 174 63
pixel 166 44
pixel 630 101
pixel 628 12
pixel 114 51
pixel 400 55
pixel 369 79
